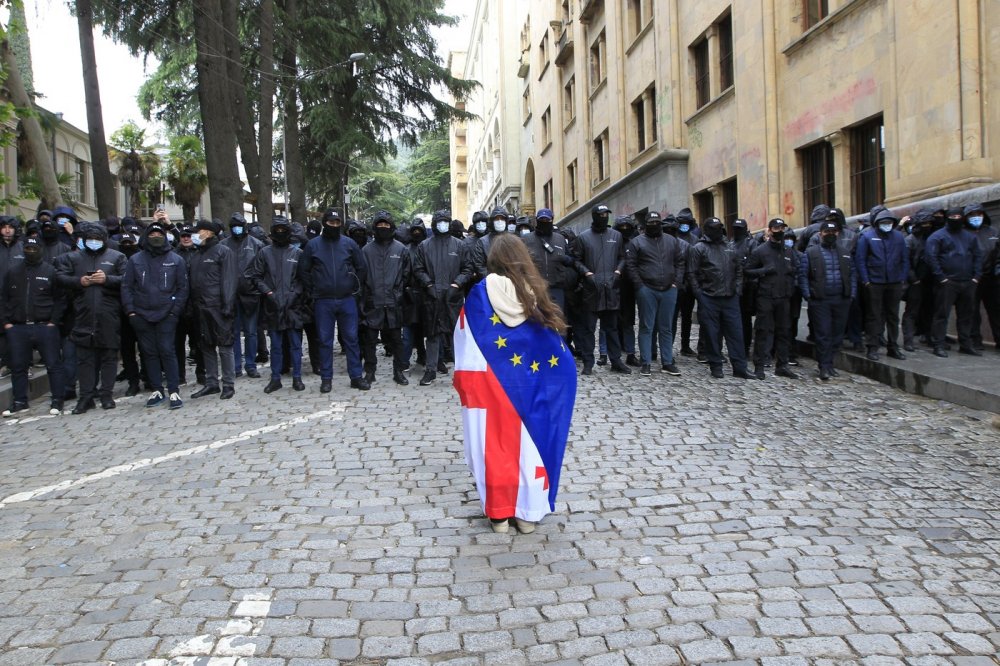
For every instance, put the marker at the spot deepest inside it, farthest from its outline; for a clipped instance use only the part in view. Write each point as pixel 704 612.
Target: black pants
pixel 882 312
pixel 392 338
pixel 771 330
pixel 23 338
pixel 719 317
pixel 312 342
pixel 913 324
pixel 748 302
pixel 958 294
pixel 684 311
pixel 93 364
pixel 187 331
pixel 156 342
pixel 130 352
pixel 987 298
pixel 586 339
pixel 828 317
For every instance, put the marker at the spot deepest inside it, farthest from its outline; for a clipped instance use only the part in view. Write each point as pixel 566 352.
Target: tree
pixel 49 195
pixel 429 171
pixel 185 172
pixel 138 164
pixel 103 187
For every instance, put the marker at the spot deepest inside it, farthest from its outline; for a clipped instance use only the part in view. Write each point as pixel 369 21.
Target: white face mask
pixel 481 227
pixel 511 228
pixel 789 242
pixel 975 222
pixel 885 228
pixel 196 239
pixel 499 225
pixel 525 231
pixel 443 227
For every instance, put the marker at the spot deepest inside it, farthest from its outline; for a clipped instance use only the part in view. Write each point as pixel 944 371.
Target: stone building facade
pixel 756 109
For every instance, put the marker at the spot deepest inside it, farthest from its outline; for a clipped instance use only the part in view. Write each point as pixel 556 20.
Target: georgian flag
pixel 518 387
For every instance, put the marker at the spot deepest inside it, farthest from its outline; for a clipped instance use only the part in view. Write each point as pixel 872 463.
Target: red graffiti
pixel 789 204
pixel 812 120
pixel 752 154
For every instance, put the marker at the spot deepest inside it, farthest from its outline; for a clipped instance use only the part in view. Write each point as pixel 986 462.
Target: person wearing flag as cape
pixel 517 383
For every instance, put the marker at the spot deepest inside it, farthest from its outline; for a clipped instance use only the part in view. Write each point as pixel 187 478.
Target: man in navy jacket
pixel 883 264
pixel 955 259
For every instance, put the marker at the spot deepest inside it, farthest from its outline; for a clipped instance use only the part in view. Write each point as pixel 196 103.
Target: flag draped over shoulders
pixel 517 386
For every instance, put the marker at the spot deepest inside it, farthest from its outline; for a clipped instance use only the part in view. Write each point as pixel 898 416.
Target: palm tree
pixel 186 172
pixel 138 163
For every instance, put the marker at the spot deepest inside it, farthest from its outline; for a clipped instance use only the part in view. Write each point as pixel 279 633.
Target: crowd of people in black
pixel 90 297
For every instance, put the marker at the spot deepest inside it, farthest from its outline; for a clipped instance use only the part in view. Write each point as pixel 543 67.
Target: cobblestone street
pixel 699 521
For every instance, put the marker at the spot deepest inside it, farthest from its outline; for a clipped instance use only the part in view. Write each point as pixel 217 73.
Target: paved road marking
pixel 335 413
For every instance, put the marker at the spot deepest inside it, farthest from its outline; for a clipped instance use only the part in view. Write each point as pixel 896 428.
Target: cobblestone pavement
pixel 697 523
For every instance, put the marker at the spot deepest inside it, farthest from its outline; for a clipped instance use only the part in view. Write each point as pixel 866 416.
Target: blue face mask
pixel 789 242
pixel 196 239
pixel 93 244
pixel 885 228
pixel 511 228
pixel 61 221
pixel 237 231
pixel 79 244
pixel 684 228
pixel 976 222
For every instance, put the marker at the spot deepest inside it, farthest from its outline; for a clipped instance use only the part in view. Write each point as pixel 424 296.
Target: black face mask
pixel 49 235
pixel 332 233
pixel 128 250
pixel 33 255
pixel 671 229
pixel 654 229
pixel 777 237
pixel 714 233
pixel 417 238
pixel 383 234
pixel 281 238
pixel 600 225
pixel 739 233
pixel 828 240
pixel 544 228
pixel 156 242
pixel 955 225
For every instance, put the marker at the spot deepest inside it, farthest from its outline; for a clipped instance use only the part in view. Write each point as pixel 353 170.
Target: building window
pixel 868 165
pixel 704 203
pixel 601 170
pixel 150 198
pixel 730 202
pixel 644 119
pixel 80 181
pixel 543 54
pixel 702 85
pixel 725 29
pixel 571 182
pixel 567 13
pixel 598 60
pixel 817 176
pixel 547 127
pixel 640 13
pixel 547 195
pixel 526 105
pixel 814 11
pixel 569 99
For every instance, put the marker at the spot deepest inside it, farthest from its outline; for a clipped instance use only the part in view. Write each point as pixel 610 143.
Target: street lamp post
pixel 353 59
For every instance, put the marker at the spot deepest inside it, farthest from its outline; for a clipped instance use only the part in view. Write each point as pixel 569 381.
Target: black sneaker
pixel 758 372
pixel 253 374
pixel 155 399
pixel 297 384
pixel 602 359
pixel 361 384
pixel 370 377
pixel 687 351
pixel 428 378
pixel 670 369
pixel 717 373
pixel 783 371
pixel 400 378
pixel 632 360
pixel 325 386
pixel 621 368
pixel 588 370
pixel 644 370
pixel 132 390
pixel 442 368
pixel 14 409
pixel 702 358
pixel 175 401
pixel 793 361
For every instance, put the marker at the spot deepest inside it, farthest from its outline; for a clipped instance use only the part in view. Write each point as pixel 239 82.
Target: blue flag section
pixel 536 371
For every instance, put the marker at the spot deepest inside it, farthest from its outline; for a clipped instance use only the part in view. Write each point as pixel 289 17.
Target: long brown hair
pixel 509 257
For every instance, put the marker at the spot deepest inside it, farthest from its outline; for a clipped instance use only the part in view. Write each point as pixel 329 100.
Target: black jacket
pixel 438 262
pixel 276 271
pixel 155 285
pixel 915 246
pixel 601 254
pixel 9 254
pixel 32 293
pixel 715 269
pixel 245 248
pixel 658 263
pixel 775 268
pixel 389 272
pixel 97 308
pixel 213 278
pixel 551 255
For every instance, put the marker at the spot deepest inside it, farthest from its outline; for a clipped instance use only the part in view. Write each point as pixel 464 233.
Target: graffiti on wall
pixel 814 120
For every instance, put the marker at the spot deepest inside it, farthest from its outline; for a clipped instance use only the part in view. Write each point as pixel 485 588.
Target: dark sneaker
pixel 745 374
pixel 132 390
pixel 442 368
pixel 602 359
pixel 400 378
pixel 783 371
pixel 896 354
pixel 717 373
pixel 793 361
pixel 824 374
pixel 872 355
pixel 14 409
pixel 360 383
pixel 969 351
pixel 588 370
pixel 253 374
pixel 325 386
pixel 702 358
pixel 644 370
pixel 632 361
pixel 940 352
pixel 155 399
pixel 758 372
pixel 297 384
pixel 370 377
pixel 621 368
pixel 670 369
pixel 175 401
pixel 687 351
pixel 428 378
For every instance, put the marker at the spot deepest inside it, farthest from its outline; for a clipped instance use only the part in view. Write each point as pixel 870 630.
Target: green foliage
pixel 429 171
pixel 170 94
pixel 137 163
pixel 8 112
pixel 185 171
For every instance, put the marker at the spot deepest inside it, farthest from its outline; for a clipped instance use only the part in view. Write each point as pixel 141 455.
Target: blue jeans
pixel 22 338
pixel 278 352
pixel 156 344
pixel 656 309
pixel 332 313
pixel 246 321
pixel 720 316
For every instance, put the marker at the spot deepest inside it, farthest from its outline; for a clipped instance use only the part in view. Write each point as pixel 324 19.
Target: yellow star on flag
pixel 534 366
pixel 553 362
pixel 501 342
pixel 495 319
pixel 516 360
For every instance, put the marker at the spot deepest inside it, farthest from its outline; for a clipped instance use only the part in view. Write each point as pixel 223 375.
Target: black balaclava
pixel 281 234
pixel 654 225
pixel 670 225
pixel 714 230
pixel 33 252
pixel 543 226
pixel 955 219
pixel 599 215
pixel 332 225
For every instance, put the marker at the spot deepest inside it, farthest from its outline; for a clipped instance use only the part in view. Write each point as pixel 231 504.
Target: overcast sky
pixel 55 52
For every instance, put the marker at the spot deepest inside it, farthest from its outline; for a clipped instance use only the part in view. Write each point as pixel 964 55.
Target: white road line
pixel 335 413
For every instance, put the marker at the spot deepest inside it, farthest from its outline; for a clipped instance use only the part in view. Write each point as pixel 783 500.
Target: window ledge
pixel 548 145
pixel 603 84
pixel 527 119
pixel 545 68
pixel 569 124
pixel 646 152
pixel 638 37
pixel 600 184
pixel 711 104
pixel 823 25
